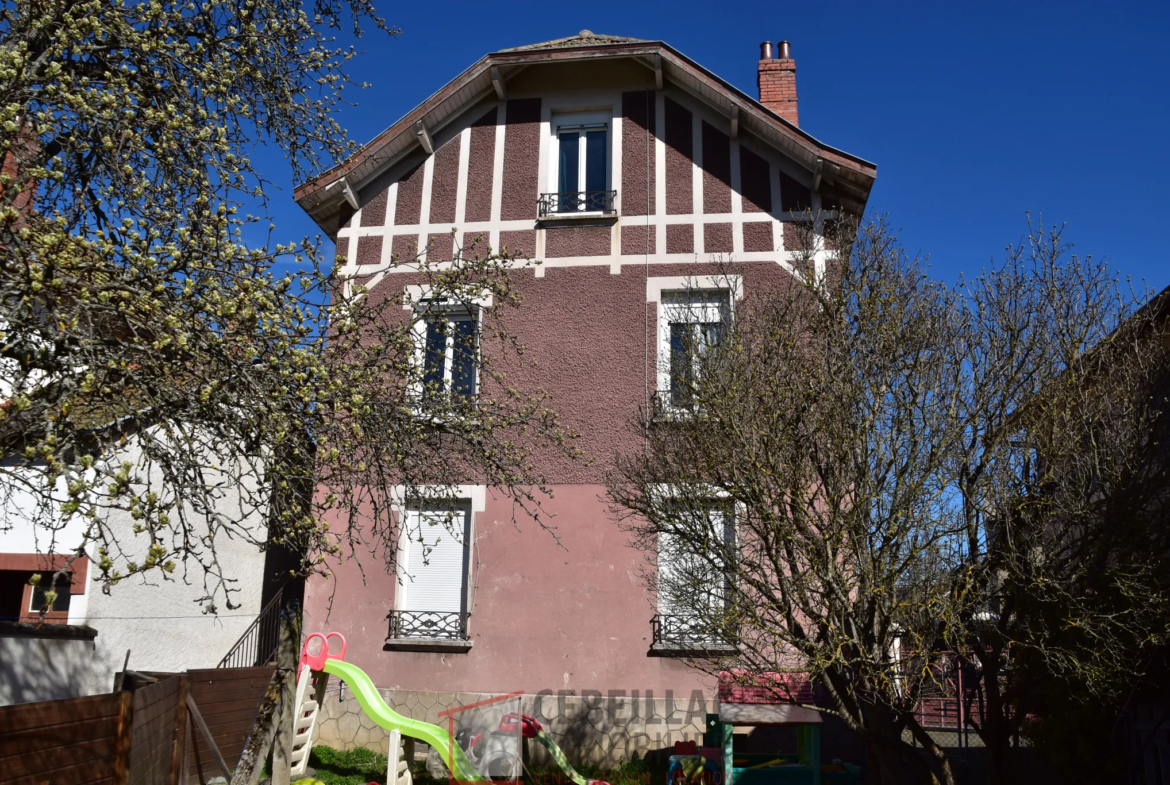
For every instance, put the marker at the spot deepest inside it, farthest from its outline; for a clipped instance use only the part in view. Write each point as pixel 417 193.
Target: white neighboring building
pixel 161 622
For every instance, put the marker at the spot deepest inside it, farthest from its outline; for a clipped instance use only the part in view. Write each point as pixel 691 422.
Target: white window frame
pixel 426 312
pixel 583 121
pixel 672 308
pixel 407 572
pixel 730 529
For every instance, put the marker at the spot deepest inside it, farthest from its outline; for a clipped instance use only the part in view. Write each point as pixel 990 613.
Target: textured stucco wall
pixel 45 669
pixel 599 728
pixel 573 615
pixel 409 204
pixel 480 166
pixel 758 237
pixel 444 183
pixel 546 616
pixel 717 238
pixel 577 241
pixel 162 622
pixel 679 136
pixel 754 182
pixel 716 170
pixel 638 171
pixel 521 159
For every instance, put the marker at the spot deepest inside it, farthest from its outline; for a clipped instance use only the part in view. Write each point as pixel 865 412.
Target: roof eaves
pixel 798 142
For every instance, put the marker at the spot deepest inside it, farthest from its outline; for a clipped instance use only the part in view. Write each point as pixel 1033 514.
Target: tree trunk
pixel 893 761
pixel 260 741
pixel 286 665
pixel 995 731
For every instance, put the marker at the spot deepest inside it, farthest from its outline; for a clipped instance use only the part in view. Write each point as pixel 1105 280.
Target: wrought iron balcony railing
pixel 565 203
pixel 432 625
pixel 690 633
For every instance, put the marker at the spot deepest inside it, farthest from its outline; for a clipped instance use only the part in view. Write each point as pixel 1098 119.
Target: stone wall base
pixel 594 728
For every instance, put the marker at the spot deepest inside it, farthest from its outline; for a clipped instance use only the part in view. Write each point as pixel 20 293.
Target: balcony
pixel 576 204
pixel 689 636
pixel 427 631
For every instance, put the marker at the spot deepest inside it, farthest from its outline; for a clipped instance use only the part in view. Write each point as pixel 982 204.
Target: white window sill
pixel 443 645
pixel 698 650
pixel 579 217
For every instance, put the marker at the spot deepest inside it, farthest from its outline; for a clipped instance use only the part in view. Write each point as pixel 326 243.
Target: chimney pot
pixel 777 81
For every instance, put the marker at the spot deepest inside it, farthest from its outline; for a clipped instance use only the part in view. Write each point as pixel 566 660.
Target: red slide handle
pixel 317 661
pixel 529 726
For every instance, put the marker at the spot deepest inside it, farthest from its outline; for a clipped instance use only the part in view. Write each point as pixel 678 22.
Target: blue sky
pixel 973 112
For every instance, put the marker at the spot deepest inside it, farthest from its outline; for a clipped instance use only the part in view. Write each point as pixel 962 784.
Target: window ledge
pixel 697 649
pixel 576 219
pixel 444 645
pixel 59 629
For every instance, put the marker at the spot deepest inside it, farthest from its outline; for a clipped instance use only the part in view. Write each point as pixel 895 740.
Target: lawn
pixel 361 766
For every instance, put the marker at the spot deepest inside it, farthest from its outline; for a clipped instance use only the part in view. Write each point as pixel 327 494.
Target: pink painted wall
pixel 546 616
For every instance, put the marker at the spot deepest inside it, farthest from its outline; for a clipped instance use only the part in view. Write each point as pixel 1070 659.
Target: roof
pixel 849 176
pixel 583 38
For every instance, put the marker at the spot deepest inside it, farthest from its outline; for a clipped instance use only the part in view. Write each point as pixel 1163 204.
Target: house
pixel 658 198
pixel 75 646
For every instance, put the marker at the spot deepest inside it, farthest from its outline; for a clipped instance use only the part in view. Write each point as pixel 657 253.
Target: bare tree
pixel 1063 481
pixel 834 500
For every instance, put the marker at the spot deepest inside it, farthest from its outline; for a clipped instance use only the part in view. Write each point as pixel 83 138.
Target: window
pixel 449 347
pixel 693 582
pixel 690 582
pixel 581 162
pixel 434 561
pixel 19 601
pixel 692 323
pixel 60 602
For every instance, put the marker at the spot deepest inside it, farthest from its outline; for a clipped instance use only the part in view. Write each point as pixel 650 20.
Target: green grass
pixel 348 767
pixel 360 766
pixel 635 771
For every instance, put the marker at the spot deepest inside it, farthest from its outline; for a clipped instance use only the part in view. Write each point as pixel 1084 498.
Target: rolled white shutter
pixel 435 566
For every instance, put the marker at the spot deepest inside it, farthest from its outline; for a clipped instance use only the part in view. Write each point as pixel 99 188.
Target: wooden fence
pixel 150 736
pixel 227 699
pixel 80 741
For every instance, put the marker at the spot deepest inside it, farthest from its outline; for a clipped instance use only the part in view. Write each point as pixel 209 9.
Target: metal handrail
pixel 572 202
pixel 258 643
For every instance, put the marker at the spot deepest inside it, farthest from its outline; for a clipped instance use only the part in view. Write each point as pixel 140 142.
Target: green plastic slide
pixel 372 704
pixel 558 755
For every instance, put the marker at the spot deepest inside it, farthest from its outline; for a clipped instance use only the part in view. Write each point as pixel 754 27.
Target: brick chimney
pixel 777 81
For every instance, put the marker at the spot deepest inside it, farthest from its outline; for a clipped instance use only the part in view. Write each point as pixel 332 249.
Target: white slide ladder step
pixel 398 768
pixel 304 723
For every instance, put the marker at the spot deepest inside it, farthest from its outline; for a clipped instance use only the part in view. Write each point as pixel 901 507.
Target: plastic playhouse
pixel 467 757
pixel 716 762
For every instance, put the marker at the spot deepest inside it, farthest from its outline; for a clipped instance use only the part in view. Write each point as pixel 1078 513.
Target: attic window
pixel 581 167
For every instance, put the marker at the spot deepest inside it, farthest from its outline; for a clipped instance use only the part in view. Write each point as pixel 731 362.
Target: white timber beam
pixel 424 137
pixel 498 82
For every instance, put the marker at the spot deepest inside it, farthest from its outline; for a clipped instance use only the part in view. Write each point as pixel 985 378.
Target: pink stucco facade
pixel 697 194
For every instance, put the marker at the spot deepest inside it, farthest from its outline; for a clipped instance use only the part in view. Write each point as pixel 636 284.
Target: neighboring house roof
pixel 850 177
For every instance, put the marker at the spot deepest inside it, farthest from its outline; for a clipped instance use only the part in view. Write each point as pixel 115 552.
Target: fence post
pixel 122 738
pixel 179 751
